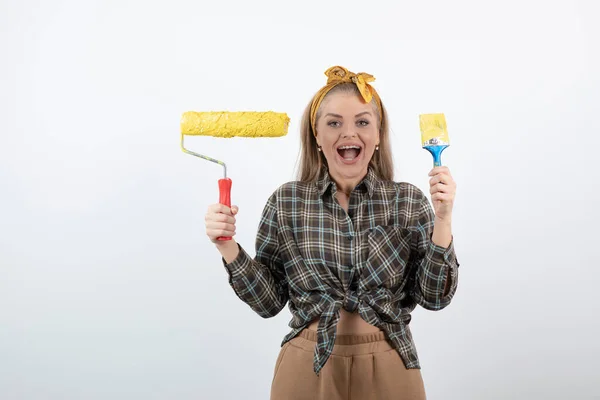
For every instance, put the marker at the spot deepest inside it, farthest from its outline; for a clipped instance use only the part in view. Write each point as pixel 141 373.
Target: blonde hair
pixel 313 162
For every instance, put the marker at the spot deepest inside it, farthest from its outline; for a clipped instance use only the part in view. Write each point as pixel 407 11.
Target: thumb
pixel 234 210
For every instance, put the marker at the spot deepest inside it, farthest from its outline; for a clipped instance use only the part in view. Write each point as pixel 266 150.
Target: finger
pixel 437 179
pixel 219 230
pixel 222 232
pixel 215 234
pixel 440 196
pixel 439 170
pixel 234 209
pixel 437 197
pixel 440 188
pixel 225 218
pixel 220 226
pixel 219 208
pixel 219 217
pixel 442 178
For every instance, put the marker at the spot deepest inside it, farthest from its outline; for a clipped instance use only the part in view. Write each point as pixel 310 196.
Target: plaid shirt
pixel 377 259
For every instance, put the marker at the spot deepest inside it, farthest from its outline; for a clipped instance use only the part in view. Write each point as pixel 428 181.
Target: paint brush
pixel 434 135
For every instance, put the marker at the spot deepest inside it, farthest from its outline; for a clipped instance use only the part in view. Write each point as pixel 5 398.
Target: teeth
pixel 349 147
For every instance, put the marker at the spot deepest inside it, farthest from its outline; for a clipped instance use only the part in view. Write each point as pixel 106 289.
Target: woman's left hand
pixel 443 189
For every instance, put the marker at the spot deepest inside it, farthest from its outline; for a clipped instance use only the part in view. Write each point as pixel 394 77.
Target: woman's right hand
pixel 220 221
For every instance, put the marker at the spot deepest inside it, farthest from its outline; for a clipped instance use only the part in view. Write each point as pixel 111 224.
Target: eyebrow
pixel 356 116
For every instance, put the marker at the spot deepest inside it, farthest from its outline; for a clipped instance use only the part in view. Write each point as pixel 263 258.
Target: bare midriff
pixel 349 324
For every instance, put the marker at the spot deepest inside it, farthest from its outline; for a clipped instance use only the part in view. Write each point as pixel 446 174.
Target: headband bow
pixel 337 75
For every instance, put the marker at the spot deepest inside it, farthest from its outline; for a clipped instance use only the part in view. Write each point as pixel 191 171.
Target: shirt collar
pixel 370 181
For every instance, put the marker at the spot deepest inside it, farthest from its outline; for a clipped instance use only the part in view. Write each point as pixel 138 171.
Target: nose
pixel 348 132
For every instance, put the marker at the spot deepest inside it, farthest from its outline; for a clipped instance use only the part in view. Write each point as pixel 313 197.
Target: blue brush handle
pixel 436 152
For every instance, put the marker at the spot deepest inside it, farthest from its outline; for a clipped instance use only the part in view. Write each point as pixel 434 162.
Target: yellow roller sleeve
pixel 228 124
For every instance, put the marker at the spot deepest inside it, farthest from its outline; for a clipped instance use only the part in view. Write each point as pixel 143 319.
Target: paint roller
pixel 228 124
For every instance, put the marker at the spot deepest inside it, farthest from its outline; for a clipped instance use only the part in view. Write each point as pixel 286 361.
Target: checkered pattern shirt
pixel 377 259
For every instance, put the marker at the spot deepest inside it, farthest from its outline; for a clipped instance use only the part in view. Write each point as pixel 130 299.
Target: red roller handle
pixel 225 198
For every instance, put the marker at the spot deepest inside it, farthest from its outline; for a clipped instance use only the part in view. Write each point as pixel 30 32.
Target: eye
pixel 334 124
pixel 363 122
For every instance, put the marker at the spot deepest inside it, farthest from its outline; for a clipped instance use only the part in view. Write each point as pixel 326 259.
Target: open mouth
pixel 350 152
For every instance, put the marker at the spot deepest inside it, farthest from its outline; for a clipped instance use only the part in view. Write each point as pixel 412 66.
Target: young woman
pixel 352 251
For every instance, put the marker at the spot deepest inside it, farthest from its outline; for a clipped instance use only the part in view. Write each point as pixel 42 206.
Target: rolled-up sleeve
pixel 261 282
pixel 433 265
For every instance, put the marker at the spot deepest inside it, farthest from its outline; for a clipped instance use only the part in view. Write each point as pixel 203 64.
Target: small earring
pixel 377 147
pixel 318 148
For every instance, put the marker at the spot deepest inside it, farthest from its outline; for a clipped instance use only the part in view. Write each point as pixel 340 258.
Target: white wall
pixel 109 288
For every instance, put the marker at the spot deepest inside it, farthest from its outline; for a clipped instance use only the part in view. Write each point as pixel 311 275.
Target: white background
pixel 109 288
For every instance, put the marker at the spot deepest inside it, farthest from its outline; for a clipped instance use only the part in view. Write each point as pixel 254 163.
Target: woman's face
pixel 347 131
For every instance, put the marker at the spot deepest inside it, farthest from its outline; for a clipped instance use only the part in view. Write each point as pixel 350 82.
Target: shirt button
pixel 350 237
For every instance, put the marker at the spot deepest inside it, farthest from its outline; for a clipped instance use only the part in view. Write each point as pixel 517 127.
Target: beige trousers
pixel 361 367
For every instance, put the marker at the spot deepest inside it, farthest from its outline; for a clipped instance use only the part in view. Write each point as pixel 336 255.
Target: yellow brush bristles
pixel 433 129
pixel 228 124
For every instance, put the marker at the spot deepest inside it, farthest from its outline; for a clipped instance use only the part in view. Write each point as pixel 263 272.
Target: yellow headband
pixel 337 75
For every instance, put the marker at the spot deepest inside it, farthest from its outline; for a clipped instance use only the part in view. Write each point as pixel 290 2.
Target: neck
pixel 347 185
